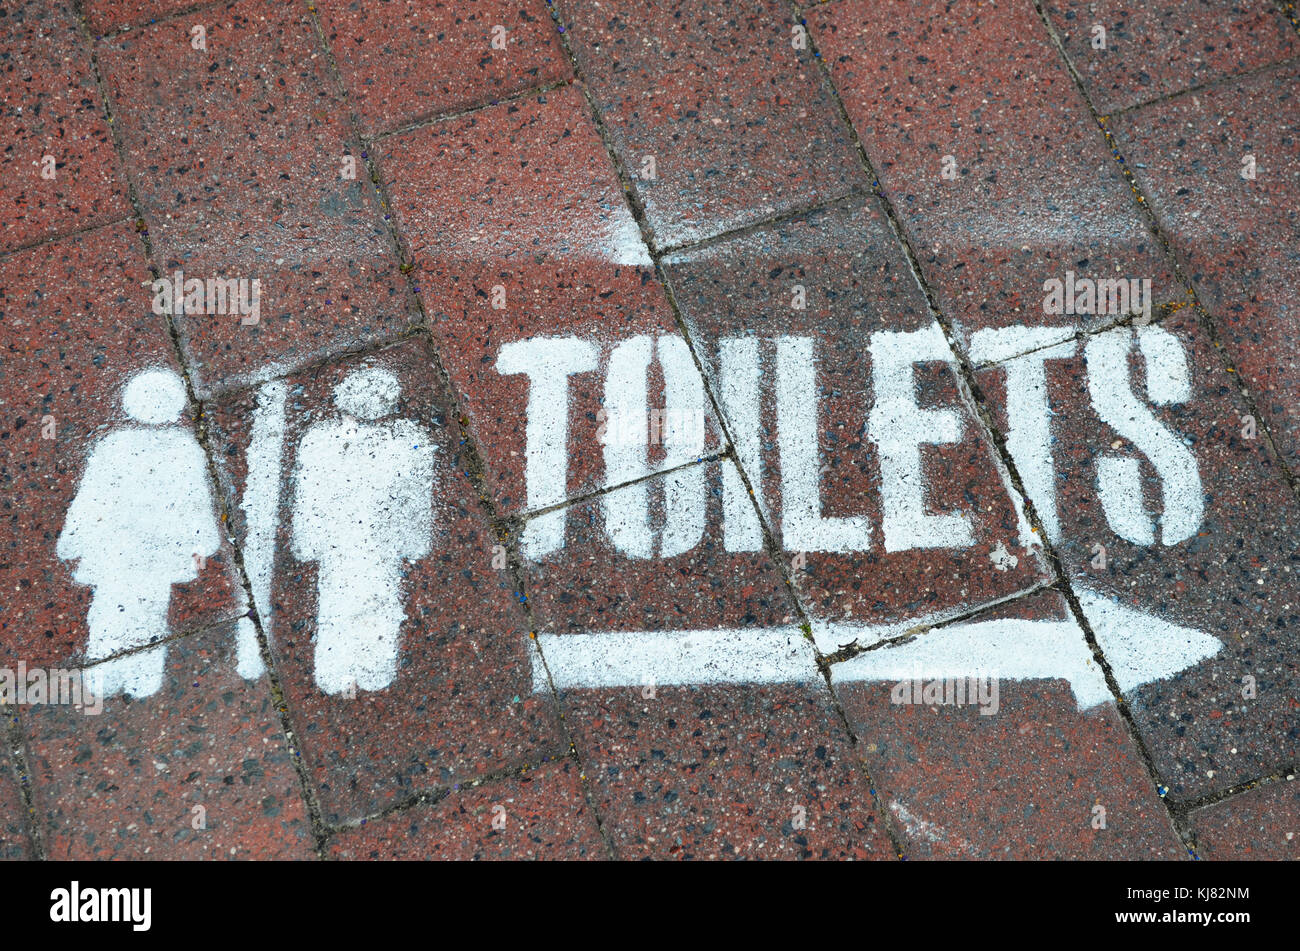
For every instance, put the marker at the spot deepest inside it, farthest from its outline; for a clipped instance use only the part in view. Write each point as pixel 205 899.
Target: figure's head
pixel 368 394
pixel 154 396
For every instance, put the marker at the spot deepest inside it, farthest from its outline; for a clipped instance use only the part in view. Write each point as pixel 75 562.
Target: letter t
pixel 548 363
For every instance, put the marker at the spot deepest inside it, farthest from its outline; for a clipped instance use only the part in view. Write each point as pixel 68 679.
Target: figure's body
pixel 140 522
pixel 363 505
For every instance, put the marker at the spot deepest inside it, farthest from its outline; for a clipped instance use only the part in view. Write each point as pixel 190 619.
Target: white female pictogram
pixel 142 521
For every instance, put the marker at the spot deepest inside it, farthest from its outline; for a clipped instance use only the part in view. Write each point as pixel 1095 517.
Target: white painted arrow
pixel 1008 649
pixel 1140 649
pixel 633 658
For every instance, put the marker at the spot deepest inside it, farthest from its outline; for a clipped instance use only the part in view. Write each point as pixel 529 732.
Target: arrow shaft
pixel 1008 649
pixel 634 658
pixel 1011 649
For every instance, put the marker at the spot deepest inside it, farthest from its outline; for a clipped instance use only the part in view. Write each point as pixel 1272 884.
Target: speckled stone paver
pixel 1261 823
pixel 15 840
pixel 630 384
pixel 725 773
pixel 1148 50
pixel 540 814
pixel 410 60
pixel 107 16
pixel 725 102
pixel 238 153
pixel 1240 235
pixel 989 156
pixel 57 169
pixel 200 770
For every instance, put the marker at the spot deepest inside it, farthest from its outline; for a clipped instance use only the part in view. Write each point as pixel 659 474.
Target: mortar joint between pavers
pixel 278 697
pixel 18 763
pixel 971 388
pixel 476 469
pixel 1204 319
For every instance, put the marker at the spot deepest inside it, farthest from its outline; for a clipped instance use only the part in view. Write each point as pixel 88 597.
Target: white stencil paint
pixel 627 434
pixel 739 380
pixel 1009 649
pixel 548 363
pixel 155 397
pixel 899 427
pixel 803 527
pixel 833 636
pixel 1029 414
pixel 633 658
pixel 626 446
pixel 685 491
pixel 1140 649
pixel 362 508
pixel 1169 381
pixel 261 504
pixel 623 243
pixel 363 490
pixel 1001 559
pixel 141 520
pixel 1110 388
pixel 1000 344
pixel 1119 480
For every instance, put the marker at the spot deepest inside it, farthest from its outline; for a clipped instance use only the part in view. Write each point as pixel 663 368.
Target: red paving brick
pixel 724 772
pixel 237 153
pixel 404 61
pixel 1029 774
pixel 1035 193
pixel 538 815
pixel 15 840
pixel 1262 823
pixel 855 283
pixel 707 771
pixel 106 16
pixel 1236 576
pixel 466 194
pixel 77 328
pixel 1153 49
pixel 599 585
pixel 461 704
pixel 52 108
pixel 1239 236
pixel 200 770
pixel 736 119
pixel 404 532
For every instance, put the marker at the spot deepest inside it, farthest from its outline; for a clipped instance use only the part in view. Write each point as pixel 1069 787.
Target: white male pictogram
pixel 363 505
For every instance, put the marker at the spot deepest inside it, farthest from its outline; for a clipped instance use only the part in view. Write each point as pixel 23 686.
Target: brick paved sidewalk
pixel 561 429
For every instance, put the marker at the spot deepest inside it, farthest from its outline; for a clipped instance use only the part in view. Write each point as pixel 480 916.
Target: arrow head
pixel 1141 647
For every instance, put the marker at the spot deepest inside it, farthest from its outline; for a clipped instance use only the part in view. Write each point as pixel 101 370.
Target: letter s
pixel 1119 484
